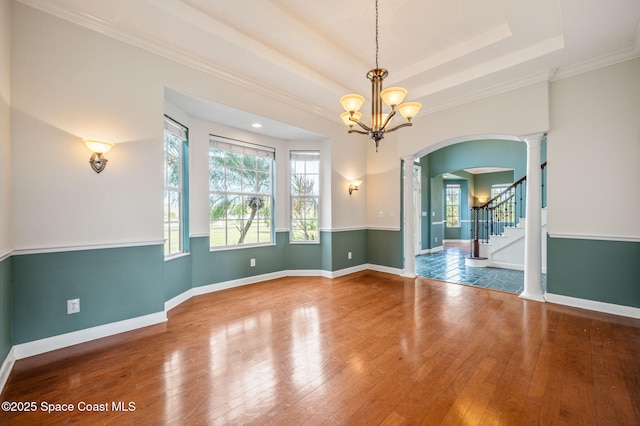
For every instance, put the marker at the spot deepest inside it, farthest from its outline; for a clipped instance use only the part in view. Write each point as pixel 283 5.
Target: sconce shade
pixel 353 186
pixel 97 161
pixel 352 102
pixel 393 96
pixel 98 146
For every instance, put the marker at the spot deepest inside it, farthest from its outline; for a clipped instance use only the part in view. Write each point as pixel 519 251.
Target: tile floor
pixel 448 265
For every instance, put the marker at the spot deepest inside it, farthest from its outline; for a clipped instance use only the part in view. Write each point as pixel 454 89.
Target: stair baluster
pixel 491 217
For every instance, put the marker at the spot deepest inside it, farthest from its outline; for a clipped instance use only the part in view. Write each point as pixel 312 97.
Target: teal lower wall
pixel 344 242
pixel 211 267
pixel 177 276
pixel 385 248
pixel 305 256
pixel 124 283
pixel 603 271
pixel 112 285
pixel 5 308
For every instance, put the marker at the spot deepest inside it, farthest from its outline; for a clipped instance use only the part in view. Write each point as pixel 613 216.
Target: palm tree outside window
pixel 305 196
pixel 241 196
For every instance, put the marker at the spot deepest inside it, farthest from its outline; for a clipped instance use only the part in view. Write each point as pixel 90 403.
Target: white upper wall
pixel 518 112
pixel 593 152
pixel 70 83
pixel 5 126
pixel 508 115
pixel 383 183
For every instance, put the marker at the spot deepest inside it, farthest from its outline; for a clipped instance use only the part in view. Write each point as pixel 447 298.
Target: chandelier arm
pixel 357 131
pixel 361 124
pixel 386 122
pixel 398 127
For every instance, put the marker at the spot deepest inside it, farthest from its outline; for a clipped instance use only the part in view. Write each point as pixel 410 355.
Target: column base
pixel 477 262
pixel 530 296
pixel 408 275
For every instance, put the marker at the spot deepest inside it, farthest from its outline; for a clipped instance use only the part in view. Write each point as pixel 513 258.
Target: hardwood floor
pixel 368 348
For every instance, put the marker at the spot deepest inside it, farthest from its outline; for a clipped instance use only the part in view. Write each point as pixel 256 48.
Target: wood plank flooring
pixel 366 349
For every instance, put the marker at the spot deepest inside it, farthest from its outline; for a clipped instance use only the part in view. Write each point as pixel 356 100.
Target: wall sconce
pixel 353 186
pixel 97 161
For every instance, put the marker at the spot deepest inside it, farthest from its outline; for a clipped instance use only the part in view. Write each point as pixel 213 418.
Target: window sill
pixel 240 247
pixel 176 256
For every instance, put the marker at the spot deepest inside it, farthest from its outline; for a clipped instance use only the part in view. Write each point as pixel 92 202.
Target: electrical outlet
pixel 349 255
pixel 436 239
pixel 73 306
pixel 253 263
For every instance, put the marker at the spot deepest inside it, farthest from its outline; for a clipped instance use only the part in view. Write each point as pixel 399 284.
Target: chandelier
pixel 392 97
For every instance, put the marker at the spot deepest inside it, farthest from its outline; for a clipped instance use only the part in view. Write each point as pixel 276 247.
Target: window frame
pixel 230 148
pixel 458 216
pixel 181 133
pixel 304 156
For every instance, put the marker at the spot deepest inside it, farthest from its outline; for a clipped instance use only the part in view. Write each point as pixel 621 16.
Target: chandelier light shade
pixel 392 97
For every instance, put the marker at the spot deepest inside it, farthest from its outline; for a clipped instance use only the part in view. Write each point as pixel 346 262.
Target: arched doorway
pixel 483 155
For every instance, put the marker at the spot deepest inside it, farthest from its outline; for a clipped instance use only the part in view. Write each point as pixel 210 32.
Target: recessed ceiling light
pixel 256 125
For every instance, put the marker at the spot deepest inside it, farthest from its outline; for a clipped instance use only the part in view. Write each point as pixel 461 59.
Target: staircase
pixel 507 249
pixel 498 239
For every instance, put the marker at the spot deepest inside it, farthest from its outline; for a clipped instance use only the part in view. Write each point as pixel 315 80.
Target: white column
pixel 409 270
pixel 532 236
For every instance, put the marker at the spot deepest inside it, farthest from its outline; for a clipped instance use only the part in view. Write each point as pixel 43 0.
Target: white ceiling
pixel 310 53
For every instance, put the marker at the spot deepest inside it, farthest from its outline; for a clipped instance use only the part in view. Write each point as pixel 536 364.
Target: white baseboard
pixel 431 250
pixel 179 299
pixel 513 266
pixel 386 269
pixel 609 308
pixel 36 347
pixel 6 368
pixel 210 288
pixel 504 265
pixel 346 271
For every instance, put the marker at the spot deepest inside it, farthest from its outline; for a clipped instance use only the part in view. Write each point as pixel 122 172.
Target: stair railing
pixel 501 211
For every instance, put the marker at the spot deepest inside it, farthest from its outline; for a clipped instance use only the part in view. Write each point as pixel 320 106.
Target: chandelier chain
pixel 392 96
pixel 377 35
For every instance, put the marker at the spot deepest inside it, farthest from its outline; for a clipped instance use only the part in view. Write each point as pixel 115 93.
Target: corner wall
pixel 5 180
pixel 593 175
pixel 79 234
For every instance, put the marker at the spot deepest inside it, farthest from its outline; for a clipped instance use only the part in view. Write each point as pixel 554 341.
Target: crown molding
pixel 599 62
pixel 175 55
pixel 549 76
pixel 494 90
pixel 219 71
